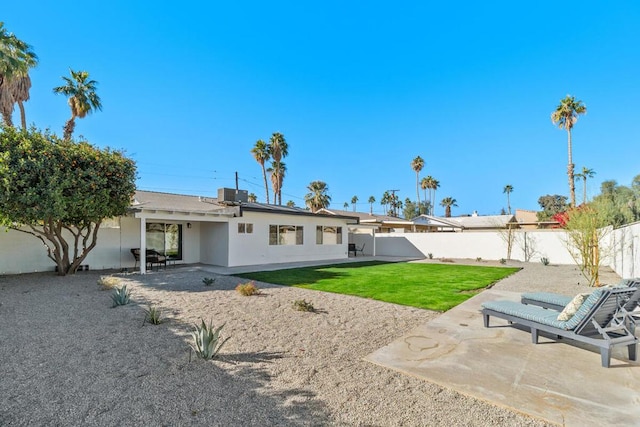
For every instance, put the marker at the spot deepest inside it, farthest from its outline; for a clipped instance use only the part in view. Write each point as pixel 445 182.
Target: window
pixel 245 228
pixel 328 235
pixel 286 235
pixel 165 238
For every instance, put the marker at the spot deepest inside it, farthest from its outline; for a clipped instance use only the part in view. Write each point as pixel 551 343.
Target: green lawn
pixel 430 286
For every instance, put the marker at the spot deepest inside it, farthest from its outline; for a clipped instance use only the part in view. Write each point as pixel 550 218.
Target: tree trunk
pixel 418 190
pixel 69 127
pixel 570 168
pixel 266 184
pixel 6 116
pixel 23 117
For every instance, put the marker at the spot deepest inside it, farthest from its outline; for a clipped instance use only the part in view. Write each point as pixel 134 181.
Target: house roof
pixel 365 217
pixel 181 203
pixel 466 222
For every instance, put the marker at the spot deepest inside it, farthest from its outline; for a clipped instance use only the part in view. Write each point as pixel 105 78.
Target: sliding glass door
pixel 165 238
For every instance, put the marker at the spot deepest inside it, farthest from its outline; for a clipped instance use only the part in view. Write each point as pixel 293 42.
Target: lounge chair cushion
pixel 548 298
pixel 544 316
pixel 571 308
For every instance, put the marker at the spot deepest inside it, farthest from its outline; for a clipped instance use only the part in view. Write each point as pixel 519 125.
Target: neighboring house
pixel 381 223
pixel 474 222
pixel 190 229
pixel 529 220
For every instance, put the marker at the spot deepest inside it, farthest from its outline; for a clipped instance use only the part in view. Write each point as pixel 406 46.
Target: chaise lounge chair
pixel 600 321
pixel 559 302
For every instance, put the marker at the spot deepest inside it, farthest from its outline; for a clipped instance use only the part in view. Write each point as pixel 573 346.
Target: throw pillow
pixel 571 308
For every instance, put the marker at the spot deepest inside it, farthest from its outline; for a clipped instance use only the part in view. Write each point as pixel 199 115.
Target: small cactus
pixel 153 315
pixel 208 281
pixel 120 296
pixel 544 261
pixel 206 340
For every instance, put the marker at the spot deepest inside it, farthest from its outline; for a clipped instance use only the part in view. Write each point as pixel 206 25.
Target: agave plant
pixel 207 340
pixel 120 296
pixel 153 315
pixel 208 281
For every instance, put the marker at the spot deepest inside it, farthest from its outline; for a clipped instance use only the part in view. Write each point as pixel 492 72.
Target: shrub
pixel 206 340
pixel 208 281
pixel 544 261
pixel 303 305
pixel 479 259
pixel 120 296
pixel 247 289
pixel 430 255
pixel 108 282
pixel 503 261
pixel 153 315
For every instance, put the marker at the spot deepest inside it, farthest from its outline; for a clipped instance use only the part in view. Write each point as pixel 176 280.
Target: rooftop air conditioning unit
pixel 231 195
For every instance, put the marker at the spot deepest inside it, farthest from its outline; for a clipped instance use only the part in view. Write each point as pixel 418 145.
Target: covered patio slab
pixel 555 381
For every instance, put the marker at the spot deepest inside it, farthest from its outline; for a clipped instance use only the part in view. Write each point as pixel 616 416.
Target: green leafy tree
pixel 551 205
pixel 291 204
pixel 278 150
pixel 417 164
pixel 252 198
pixel 82 95
pixel 507 190
pixel 60 191
pixel 260 152
pixel 447 203
pixel 16 58
pixel 565 117
pixel 412 209
pixel 318 197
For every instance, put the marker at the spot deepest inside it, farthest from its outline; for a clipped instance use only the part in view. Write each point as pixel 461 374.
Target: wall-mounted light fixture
pixel 188 225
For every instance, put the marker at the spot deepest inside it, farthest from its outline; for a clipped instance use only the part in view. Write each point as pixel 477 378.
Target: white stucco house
pixel 224 231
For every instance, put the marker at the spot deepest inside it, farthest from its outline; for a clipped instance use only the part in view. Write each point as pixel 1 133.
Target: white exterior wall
pixel 625 254
pixel 253 249
pixel 214 240
pixel 469 244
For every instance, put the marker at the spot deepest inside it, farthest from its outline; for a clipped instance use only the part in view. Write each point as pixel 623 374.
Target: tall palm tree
pixel 278 150
pixel 417 164
pixel 424 185
pixel 586 173
pixel 434 186
pixel 82 95
pixel 346 205
pixel 565 117
pixel 317 198
pixel 260 152
pixel 354 201
pixel 371 201
pixel 447 203
pixel 16 58
pixel 386 199
pixel 427 184
pixel 278 172
pixel 507 190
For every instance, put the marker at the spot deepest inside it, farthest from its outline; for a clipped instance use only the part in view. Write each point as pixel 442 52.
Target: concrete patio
pixel 558 382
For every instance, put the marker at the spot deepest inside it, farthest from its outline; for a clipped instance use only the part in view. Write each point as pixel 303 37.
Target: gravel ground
pixel 68 358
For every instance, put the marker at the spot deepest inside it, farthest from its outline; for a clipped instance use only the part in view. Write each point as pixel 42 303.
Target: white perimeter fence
pixel 621 251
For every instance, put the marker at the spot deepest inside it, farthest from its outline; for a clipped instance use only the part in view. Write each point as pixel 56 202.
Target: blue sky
pixel 358 89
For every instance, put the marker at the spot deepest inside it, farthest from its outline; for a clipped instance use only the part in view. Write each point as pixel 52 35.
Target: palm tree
pixel 278 149
pixel 565 117
pixel 291 204
pixel 346 205
pixel 507 190
pixel 424 184
pixel 16 58
pixel 317 198
pixel 371 201
pixel 417 164
pixel 252 197
pixel 277 171
pixel 82 98
pixel 354 201
pixel 448 202
pixel 260 152
pixel 386 199
pixel 434 186
pixel 586 173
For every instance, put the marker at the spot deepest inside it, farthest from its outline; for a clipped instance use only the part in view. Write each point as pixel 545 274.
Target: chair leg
pixel 633 352
pixel 486 320
pixel 605 356
pixel 534 335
